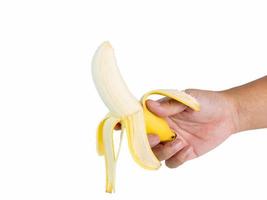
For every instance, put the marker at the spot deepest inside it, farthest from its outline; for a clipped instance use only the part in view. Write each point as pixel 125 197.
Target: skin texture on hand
pixel 251 104
pixel 197 132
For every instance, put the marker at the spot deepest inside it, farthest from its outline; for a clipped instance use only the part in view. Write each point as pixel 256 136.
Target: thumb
pixel 165 107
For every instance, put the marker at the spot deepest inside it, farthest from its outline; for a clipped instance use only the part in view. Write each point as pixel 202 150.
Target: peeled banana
pixel 135 119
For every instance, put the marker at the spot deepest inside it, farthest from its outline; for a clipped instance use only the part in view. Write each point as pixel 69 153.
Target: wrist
pixel 250 106
pixel 235 110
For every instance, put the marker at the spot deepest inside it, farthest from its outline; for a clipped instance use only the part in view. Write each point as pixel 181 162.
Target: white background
pixel 49 108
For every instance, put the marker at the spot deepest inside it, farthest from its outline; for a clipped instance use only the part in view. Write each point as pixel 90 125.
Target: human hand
pixel 197 132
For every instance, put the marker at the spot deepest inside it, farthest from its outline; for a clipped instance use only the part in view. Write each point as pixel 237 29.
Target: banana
pixel 131 113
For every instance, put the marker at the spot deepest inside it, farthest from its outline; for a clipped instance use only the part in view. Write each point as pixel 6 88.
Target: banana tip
pixel 106 44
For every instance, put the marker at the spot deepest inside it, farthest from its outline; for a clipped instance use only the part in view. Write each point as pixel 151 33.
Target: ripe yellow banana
pixel 132 114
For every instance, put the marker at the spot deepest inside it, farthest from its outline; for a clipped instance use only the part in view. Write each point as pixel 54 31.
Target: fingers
pixel 153 140
pixel 166 107
pixel 167 150
pixel 180 157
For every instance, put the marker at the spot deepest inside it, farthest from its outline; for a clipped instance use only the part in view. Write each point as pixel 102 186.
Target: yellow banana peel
pixel 135 119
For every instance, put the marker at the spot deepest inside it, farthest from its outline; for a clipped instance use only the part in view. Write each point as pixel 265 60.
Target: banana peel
pixel 133 115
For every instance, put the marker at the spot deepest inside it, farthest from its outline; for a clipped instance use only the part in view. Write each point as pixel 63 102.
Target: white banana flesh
pixel 129 112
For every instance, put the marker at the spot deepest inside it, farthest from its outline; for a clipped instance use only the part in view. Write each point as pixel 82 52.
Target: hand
pixel 197 132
